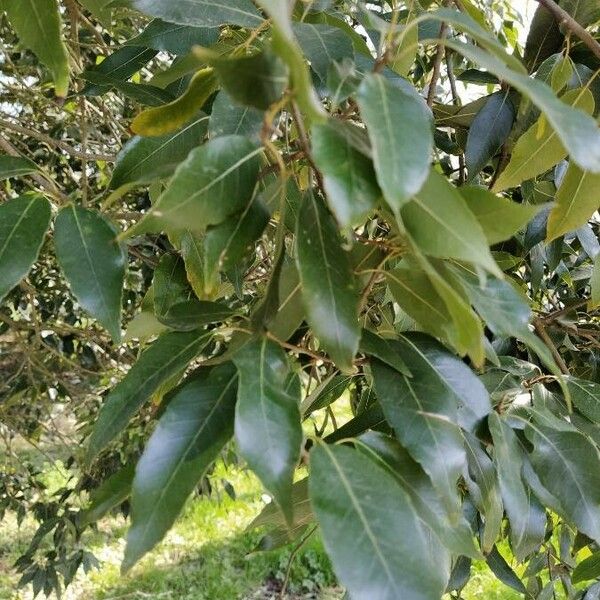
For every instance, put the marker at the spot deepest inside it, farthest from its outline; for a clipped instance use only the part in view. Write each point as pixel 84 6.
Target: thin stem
pixel 540 329
pixel 437 65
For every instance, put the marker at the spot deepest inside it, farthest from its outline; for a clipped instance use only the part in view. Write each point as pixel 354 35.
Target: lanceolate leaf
pixel 527 517
pixel 202 13
pixel 93 262
pixel 576 201
pixel 215 181
pixel 328 285
pixel 15 166
pixel 348 175
pixel 38 25
pixel 424 417
pixel 489 130
pixel 146 159
pixel 197 423
pixel 267 421
pixel 167 356
pixel 23 225
pixel 400 128
pixel 371 529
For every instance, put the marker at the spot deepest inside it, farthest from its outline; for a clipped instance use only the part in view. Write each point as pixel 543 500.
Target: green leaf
pixel 587 569
pixel 100 9
pixel 437 219
pixel 111 493
pixel 227 118
pixel 586 397
pixel 174 38
pixel 215 181
pixel 595 285
pixel 226 244
pixel 373 345
pixel 93 262
pixel 348 175
pixel 533 153
pixel 400 129
pixel 503 571
pixel 371 529
pixel 577 131
pixel 424 417
pixel 329 289
pixel 527 518
pixel 267 420
pixel 488 132
pixel 499 217
pixel 15 166
pixel 167 356
pixel 482 483
pixel 456 537
pixel 162 120
pixel 286 46
pixel 322 45
pixel 38 25
pixel 23 225
pixel 196 424
pixel 202 13
pixel 290 313
pixel 147 159
pixel 544 38
pixel 258 80
pixel 568 466
pixel 576 201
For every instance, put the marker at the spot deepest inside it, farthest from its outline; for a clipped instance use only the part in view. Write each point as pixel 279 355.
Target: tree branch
pixel 565 19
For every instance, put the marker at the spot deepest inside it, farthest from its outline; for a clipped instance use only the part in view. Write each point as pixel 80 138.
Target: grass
pixel 207 556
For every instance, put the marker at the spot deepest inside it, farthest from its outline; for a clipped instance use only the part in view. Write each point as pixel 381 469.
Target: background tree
pixel 288 204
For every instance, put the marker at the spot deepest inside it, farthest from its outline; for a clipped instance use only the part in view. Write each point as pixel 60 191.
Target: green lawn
pixel 208 556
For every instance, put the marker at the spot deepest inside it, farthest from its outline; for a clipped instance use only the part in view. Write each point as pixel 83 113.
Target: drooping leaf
pixel 202 13
pixel 23 225
pixel 168 355
pixel 112 492
pixel 534 154
pixel 576 201
pixel 267 420
pixel 424 417
pixel 400 129
pixel 196 424
pixel 437 219
pixel 328 285
pixel 171 37
pixel 38 25
pixel 163 120
pixel 322 45
pixel 228 118
pixel 215 181
pixel 503 571
pixel 146 159
pixel 257 80
pixel 499 217
pixel 527 518
pixel 290 313
pixel 488 132
pixel 15 166
pixel 382 549
pixel 348 175
pixel 544 38
pixel 93 262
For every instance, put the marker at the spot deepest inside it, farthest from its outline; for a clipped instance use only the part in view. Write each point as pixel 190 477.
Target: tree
pixel 305 212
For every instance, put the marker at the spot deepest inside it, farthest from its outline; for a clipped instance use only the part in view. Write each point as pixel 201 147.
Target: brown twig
pixel 456 102
pixel 437 64
pixel 540 329
pixel 565 19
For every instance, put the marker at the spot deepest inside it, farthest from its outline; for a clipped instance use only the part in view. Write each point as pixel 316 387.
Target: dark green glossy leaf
pixel 400 128
pixel 23 225
pixel 348 175
pixel 171 37
pixel 111 493
pixel 489 131
pixel 228 118
pixel 202 13
pixel 196 424
pixel 586 397
pixel 587 569
pixel 267 421
pixel 166 357
pixel 328 285
pixel 373 345
pixel 215 181
pixel 371 529
pixel 15 166
pixel 503 571
pixel 290 313
pixel 146 159
pixel 93 262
